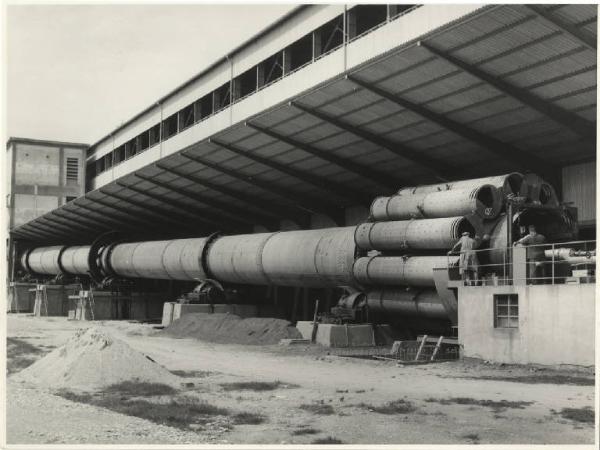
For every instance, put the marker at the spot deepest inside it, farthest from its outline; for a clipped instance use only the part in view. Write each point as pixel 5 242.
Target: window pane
pixel 514 311
pixel 502 310
pixel 502 322
pixel 513 322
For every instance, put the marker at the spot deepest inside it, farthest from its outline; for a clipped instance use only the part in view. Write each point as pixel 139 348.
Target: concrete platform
pixel 106 306
pixel 333 335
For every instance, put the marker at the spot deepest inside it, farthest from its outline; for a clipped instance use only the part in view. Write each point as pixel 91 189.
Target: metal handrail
pixel 584 254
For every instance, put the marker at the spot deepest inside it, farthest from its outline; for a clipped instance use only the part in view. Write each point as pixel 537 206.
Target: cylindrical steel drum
pixel 484 200
pixel 399 270
pixel 75 260
pixel 400 302
pixel 317 258
pixel 45 260
pixel 415 234
pixel 238 259
pixel 178 259
pixel 511 183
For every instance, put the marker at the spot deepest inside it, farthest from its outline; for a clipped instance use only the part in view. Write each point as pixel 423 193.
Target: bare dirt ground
pixel 320 396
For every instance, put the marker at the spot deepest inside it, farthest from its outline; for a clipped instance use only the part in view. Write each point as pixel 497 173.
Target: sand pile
pixel 93 359
pixel 232 329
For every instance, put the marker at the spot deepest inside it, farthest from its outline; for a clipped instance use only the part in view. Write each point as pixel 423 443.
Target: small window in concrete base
pixel 506 311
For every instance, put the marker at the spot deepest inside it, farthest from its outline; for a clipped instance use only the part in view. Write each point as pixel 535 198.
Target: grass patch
pixel 246 418
pixel 21 354
pixel 318 408
pixel 394 407
pixel 497 406
pixel 473 437
pixel 258 386
pixel 540 379
pixel 191 373
pixel 140 389
pixel 178 413
pixel 327 440
pixel 582 415
pixel 303 431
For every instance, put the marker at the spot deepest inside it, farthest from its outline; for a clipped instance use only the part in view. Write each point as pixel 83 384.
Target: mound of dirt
pixel 94 359
pixel 232 329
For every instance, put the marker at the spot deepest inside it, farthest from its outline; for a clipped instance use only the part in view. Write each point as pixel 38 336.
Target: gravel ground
pixel 312 376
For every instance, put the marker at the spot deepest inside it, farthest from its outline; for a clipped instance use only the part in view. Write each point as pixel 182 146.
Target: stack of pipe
pixel 411 232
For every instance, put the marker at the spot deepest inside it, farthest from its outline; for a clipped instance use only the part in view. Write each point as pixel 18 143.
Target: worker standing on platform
pixel 468 262
pixel 535 252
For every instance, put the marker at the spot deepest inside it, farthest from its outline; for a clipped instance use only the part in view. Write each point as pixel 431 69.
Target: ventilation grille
pixel 72 169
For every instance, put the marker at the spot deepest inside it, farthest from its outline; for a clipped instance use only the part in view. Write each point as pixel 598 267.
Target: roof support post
pixel 519 157
pixel 565 118
pixel 436 168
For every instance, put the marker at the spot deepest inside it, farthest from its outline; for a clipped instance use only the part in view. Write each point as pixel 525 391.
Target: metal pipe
pixel 425 303
pixel 178 259
pixel 400 270
pixel 440 234
pixel 484 200
pixel 510 183
pixel 45 260
pixel 314 258
pixel 74 260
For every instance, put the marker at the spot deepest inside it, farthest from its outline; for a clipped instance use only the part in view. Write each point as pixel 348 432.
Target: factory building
pixel 265 174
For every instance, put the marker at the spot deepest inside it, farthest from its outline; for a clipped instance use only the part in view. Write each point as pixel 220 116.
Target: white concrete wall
pixel 385 38
pixel 556 325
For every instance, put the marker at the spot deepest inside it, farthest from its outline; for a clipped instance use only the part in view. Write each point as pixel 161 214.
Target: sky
pixel 76 72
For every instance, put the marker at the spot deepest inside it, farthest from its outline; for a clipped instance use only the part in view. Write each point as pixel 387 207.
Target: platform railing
pixel 572 262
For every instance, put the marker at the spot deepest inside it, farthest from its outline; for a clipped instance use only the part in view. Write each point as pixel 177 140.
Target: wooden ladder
pixel 423 345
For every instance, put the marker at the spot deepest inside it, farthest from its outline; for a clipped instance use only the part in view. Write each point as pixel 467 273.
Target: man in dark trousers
pixel 468 262
pixel 535 252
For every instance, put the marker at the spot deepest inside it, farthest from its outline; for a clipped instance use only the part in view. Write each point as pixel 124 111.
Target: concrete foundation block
pixel 333 335
pixel 181 309
pixel 167 317
pixel 305 328
pixel 223 309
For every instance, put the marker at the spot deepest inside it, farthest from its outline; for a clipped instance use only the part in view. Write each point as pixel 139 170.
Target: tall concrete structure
pixel 42 175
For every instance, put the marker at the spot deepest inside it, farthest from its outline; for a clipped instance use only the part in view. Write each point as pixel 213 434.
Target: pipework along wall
pixel 556 325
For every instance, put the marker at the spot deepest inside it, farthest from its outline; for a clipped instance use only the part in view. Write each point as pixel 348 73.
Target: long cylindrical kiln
pixel 424 303
pixel 178 259
pixel 317 258
pixel 484 200
pixel 414 234
pixel 400 270
pixel 511 183
pixel 74 260
pixel 45 260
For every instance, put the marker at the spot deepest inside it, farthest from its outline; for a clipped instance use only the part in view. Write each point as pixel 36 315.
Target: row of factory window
pixel 359 20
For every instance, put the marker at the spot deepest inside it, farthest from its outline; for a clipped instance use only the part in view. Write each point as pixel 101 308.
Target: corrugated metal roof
pixel 289 160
